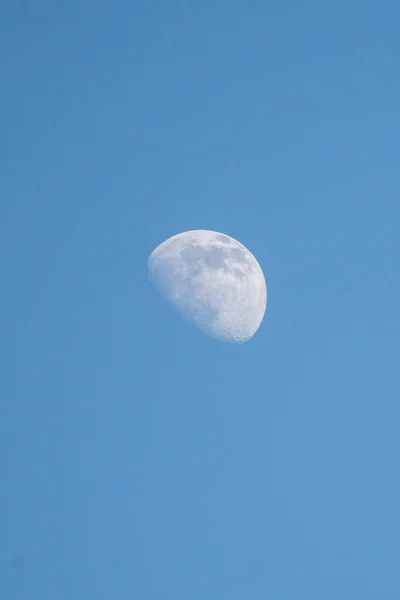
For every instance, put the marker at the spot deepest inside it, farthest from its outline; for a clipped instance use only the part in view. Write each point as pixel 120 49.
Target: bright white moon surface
pixel 213 281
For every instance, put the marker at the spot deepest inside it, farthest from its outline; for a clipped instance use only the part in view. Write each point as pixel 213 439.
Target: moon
pixel 213 281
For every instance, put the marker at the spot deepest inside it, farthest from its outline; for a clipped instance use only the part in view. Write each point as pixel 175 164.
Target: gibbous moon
pixel 213 281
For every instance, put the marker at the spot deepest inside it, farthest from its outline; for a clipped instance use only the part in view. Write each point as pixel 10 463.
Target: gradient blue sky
pixel 139 458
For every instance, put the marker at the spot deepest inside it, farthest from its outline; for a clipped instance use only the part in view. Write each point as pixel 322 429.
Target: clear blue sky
pixel 139 458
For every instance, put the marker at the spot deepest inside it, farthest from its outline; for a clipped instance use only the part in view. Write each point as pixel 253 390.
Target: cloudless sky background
pixel 138 457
